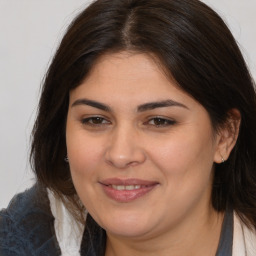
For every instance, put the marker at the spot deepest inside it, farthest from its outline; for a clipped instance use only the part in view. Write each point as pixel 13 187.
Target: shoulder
pixel 26 226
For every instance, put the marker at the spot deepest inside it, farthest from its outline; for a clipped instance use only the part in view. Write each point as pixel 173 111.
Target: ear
pixel 227 136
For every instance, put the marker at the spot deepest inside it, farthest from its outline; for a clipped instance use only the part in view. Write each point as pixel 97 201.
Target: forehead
pixel 124 83
pixel 128 74
pixel 127 64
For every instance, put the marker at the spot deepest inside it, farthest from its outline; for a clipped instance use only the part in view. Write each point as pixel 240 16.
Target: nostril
pixel 122 161
pixel 123 149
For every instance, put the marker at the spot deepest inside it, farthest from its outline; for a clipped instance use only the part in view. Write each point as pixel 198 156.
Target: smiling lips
pixel 128 187
pixel 126 190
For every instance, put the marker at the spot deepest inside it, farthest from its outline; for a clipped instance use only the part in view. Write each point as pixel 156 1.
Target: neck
pixel 198 236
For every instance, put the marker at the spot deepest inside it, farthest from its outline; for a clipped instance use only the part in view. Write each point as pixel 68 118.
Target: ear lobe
pixel 227 136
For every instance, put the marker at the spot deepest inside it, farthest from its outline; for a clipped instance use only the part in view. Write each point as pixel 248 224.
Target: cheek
pixel 186 164
pixel 184 154
pixel 84 152
pixel 83 159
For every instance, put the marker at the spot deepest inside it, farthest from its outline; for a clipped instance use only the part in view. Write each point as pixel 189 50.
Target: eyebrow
pixel 160 104
pixel 91 103
pixel 141 108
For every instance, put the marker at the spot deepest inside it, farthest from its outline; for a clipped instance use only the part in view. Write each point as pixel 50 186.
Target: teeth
pixel 122 187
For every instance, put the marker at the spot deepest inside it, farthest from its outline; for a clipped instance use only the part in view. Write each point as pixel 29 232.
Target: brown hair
pixel 194 45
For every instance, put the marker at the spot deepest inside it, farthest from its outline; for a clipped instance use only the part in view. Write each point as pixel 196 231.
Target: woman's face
pixel 140 149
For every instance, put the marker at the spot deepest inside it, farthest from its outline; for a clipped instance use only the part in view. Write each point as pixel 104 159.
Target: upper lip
pixel 127 182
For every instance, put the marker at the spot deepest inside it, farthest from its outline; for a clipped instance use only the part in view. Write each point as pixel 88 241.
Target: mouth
pixel 128 187
pixel 127 190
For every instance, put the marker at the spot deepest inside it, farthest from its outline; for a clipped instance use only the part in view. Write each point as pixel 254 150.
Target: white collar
pixel 244 239
pixel 69 232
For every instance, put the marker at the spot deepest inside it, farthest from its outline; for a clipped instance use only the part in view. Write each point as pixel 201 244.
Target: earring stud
pixel 66 159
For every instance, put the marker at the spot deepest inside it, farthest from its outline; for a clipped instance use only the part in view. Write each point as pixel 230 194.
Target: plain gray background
pixel 30 31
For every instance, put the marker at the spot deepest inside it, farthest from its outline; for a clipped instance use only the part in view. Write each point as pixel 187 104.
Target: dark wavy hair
pixel 194 46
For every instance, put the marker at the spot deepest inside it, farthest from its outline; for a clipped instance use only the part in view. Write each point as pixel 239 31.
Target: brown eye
pixel 97 120
pixel 160 122
pixel 94 121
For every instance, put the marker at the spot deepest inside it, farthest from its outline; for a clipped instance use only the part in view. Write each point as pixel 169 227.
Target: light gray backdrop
pixel 30 31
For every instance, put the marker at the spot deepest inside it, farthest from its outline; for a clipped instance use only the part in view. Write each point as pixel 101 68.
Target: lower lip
pixel 125 196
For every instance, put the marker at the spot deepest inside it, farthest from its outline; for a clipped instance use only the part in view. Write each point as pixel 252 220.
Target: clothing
pixel 26 226
pixel 226 236
pixel 36 223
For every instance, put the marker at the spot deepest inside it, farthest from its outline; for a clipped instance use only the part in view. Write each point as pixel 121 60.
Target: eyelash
pixel 90 121
pixel 158 122
pixel 164 122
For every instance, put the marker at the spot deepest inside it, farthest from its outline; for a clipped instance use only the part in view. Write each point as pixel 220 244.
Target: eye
pixel 160 122
pixel 95 121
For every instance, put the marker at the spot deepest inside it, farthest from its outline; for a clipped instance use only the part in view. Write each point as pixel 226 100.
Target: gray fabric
pixel 226 238
pixel 27 226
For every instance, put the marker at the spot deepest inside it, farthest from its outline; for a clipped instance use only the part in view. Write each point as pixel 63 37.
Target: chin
pixel 127 225
pixel 128 231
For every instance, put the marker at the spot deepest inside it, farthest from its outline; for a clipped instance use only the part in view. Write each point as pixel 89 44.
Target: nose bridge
pixel 124 147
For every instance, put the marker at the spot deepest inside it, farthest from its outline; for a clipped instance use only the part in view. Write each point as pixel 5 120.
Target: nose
pixel 124 148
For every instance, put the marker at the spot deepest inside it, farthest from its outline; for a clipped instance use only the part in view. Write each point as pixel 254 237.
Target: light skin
pixel 127 120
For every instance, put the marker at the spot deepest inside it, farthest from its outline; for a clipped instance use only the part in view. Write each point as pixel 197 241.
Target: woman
pixel 144 143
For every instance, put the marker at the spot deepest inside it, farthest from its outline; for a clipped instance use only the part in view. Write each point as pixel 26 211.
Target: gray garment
pixel 226 237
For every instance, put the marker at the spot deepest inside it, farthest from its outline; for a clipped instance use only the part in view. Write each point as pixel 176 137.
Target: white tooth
pixel 119 187
pixel 130 187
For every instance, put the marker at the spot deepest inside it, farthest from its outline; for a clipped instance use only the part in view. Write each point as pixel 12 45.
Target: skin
pixel 174 146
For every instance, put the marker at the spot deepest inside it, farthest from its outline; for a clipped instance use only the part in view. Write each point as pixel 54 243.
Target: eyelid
pixel 87 120
pixel 104 121
pixel 168 121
